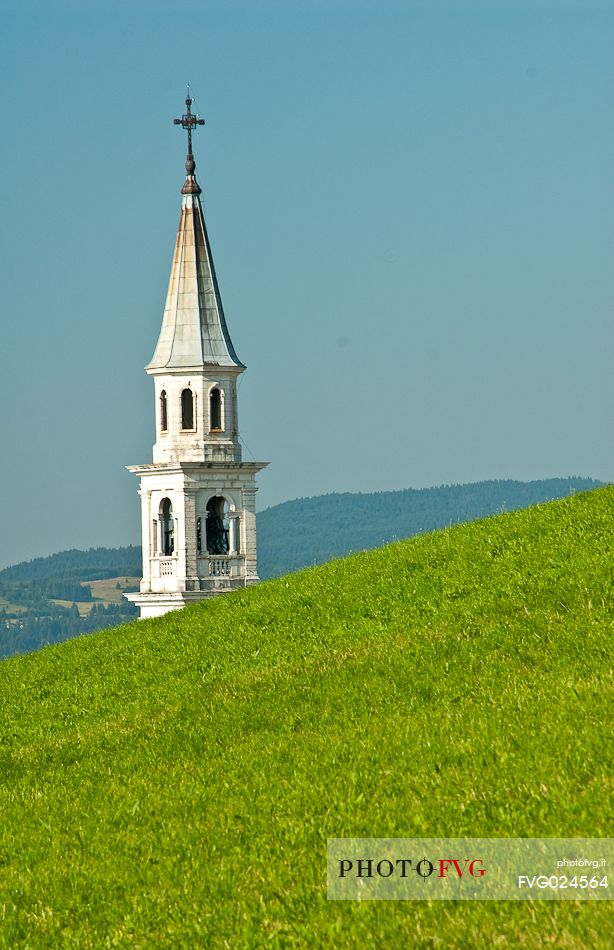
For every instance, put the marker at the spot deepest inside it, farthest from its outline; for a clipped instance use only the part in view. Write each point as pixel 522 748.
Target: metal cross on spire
pixel 189 121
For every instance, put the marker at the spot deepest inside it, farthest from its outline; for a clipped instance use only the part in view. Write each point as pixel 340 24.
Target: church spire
pixel 194 333
pixel 189 121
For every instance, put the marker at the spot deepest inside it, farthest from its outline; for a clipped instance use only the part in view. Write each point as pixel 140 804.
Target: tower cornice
pixel 212 370
pixel 190 468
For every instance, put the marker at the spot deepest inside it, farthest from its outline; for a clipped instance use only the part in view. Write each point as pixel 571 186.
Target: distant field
pixel 83 607
pixel 107 592
pixel 172 783
pixel 10 607
pixel 104 592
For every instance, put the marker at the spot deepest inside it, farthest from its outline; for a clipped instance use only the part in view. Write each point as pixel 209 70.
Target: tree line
pixel 31 630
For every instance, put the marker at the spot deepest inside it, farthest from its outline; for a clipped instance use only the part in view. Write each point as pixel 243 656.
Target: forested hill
pixel 93 565
pixel 311 531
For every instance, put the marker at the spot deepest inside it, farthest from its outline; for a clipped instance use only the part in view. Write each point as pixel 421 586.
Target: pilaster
pixel 189 539
pixel 249 533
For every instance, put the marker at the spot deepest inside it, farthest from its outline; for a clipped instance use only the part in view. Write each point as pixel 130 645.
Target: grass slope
pixel 172 783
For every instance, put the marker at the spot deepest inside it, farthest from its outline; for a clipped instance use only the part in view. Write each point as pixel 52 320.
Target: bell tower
pixel 197 496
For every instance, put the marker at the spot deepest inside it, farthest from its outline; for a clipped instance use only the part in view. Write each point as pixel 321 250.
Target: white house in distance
pixel 197 497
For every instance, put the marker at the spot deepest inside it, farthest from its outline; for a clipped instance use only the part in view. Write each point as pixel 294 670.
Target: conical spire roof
pixel 194 332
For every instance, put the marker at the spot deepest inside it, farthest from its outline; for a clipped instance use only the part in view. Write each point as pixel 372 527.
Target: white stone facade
pixel 202 442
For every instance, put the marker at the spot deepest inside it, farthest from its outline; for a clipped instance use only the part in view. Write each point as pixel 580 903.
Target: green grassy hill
pixel 172 783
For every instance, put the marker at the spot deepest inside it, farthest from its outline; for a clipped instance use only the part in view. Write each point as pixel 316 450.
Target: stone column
pixel 145 537
pixel 232 541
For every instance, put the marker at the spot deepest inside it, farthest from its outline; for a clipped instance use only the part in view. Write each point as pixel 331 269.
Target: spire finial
pixel 189 121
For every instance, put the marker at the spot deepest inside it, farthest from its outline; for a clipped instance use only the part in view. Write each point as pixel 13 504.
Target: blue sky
pixel 411 211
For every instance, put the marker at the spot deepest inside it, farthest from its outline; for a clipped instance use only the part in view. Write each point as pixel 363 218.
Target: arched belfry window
pixel 215 408
pixel 167 527
pixel 217 526
pixel 163 411
pixel 187 409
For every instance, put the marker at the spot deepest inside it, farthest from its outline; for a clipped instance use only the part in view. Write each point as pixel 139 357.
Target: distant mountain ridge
pixel 38 597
